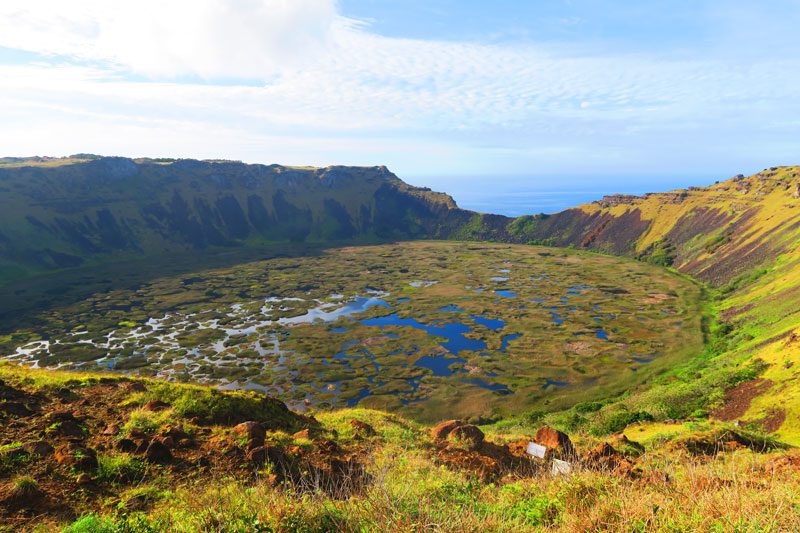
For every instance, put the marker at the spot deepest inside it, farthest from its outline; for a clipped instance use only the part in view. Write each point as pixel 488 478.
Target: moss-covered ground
pixel 427 329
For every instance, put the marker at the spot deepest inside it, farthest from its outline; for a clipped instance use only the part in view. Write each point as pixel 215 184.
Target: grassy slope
pixel 63 213
pixel 412 484
pixel 741 237
pixel 738 235
pixel 757 266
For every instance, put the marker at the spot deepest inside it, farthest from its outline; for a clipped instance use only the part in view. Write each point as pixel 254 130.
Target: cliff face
pixel 65 213
pixel 713 233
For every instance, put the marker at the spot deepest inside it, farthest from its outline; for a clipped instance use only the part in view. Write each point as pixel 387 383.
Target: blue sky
pixel 523 95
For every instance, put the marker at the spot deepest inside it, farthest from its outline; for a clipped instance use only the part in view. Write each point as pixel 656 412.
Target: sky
pixel 480 97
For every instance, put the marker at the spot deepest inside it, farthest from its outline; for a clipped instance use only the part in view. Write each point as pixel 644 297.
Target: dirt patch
pixel 738 399
pixel 62 435
pixel 773 420
pixel 733 312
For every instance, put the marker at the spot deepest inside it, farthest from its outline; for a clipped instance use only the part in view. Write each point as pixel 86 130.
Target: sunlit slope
pixel 741 236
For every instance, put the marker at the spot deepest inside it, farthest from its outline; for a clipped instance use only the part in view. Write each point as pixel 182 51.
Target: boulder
pixel 126 445
pixel 157 452
pixel 606 457
pixel 155 405
pixel 250 431
pixel 111 429
pixel 169 442
pixel 601 451
pixel 467 436
pixel 303 434
pixel 440 432
pixel 176 432
pixel 263 454
pixel 326 445
pixel 75 456
pixel 40 448
pixel 60 416
pixel 556 441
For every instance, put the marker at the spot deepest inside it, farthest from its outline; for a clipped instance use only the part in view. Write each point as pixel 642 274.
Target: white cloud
pixel 332 91
pixel 208 38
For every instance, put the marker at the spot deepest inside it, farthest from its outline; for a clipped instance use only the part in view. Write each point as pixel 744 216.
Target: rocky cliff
pixel 61 213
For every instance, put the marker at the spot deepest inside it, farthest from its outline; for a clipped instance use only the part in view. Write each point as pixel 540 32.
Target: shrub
pixel 119 468
pixel 227 407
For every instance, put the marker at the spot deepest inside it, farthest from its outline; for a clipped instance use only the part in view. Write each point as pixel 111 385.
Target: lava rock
pixel 250 431
pixel 466 436
pixel 157 452
pixel 556 441
pixel 442 430
pixel 75 456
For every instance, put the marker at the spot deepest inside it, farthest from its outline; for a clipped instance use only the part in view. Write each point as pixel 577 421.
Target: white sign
pixel 536 450
pixel 561 468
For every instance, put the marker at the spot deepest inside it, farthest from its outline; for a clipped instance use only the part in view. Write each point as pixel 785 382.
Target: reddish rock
pixel 157 452
pixel 441 431
pixel 326 445
pixel 137 434
pixel 606 457
pixel 39 447
pixel 362 429
pixel 250 431
pixel 555 441
pixel 126 445
pixel 176 432
pixel 303 434
pixel 295 450
pixel 60 416
pixel 468 437
pixel 155 405
pixel 76 456
pixel 111 429
pixel 603 450
pixel 263 454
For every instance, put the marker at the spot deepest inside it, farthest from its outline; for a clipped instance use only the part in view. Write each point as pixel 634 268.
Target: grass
pixel 119 468
pixel 202 307
pixel 410 493
pixel 24 487
pixel 148 421
pixel 212 405
pixel 697 474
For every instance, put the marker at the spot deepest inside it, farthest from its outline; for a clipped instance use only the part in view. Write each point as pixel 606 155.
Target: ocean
pixel 523 196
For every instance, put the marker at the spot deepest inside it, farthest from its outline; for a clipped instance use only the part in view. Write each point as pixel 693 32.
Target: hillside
pixel 99 453
pixel 87 210
pixel 742 237
pixel 699 440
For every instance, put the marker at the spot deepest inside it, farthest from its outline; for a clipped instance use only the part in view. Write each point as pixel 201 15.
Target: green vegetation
pixel 694 386
pixel 475 330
